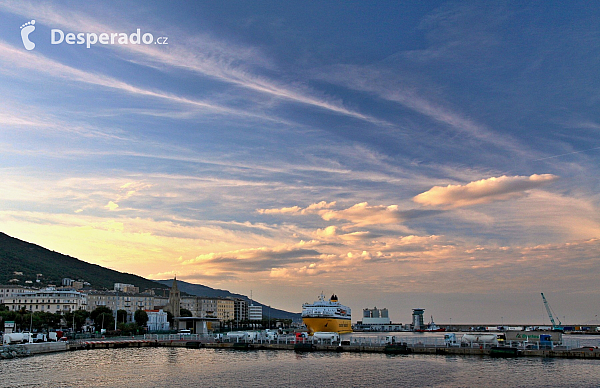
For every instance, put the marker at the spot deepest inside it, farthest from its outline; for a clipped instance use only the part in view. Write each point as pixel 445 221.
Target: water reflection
pixel 181 367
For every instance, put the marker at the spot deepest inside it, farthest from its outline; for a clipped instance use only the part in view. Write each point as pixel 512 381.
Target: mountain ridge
pixel 201 290
pixel 24 261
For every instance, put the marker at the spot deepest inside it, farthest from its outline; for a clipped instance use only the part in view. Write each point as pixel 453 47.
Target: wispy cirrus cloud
pixel 311 209
pixel 386 85
pixel 19 58
pixel 208 57
pixel 482 191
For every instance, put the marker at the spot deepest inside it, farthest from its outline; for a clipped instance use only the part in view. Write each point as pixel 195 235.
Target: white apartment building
pixel 157 320
pixel 255 313
pixel 49 300
pixel 9 290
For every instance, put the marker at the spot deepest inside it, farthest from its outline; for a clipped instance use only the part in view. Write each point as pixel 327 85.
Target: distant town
pixel 76 307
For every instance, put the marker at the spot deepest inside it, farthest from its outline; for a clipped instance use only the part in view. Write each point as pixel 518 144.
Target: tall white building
pixel 255 313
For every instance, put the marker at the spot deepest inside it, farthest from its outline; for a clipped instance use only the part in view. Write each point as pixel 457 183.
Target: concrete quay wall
pixel 46 347
pixel 585 352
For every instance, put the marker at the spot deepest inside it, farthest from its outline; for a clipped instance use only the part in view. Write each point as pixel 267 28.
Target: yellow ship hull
pixel 336 325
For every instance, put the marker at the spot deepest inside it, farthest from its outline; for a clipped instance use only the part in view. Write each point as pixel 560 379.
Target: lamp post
pixel 116 309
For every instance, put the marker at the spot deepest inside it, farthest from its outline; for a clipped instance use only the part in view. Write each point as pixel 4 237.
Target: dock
pixel 198 342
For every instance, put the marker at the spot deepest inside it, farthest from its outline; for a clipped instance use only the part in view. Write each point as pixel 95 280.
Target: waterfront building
pixel 377 320
pixel 48 299
pixel 376 316
pixel 417 319
pixel 240 312
pixel 205 307
pixel 160 302
pixel 225 309
pixel 7 291
pixel 157 320
pixel 254 312
pixel 120 301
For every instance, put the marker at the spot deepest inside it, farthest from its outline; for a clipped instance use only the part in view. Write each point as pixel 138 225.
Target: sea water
pixel 181 367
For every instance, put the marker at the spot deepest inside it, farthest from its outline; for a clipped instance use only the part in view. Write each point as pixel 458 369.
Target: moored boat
pixel 431 327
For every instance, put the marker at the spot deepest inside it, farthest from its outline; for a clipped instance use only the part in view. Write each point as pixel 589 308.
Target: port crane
pixel 549 310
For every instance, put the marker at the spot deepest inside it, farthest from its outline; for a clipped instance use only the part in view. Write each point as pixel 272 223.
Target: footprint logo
pixel 27 29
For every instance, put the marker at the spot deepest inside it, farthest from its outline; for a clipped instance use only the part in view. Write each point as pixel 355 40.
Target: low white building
pixel 157 320
pixel 376 316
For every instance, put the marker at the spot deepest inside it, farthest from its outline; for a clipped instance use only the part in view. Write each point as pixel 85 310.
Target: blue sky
pixel 440 155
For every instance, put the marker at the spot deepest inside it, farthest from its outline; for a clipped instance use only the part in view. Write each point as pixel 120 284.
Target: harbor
pixel 394 344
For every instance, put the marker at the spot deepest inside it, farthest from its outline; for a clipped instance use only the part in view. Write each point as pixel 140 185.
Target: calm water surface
pixel 180 367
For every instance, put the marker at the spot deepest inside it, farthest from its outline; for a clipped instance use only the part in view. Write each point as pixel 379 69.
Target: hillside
pixel 30 259
pixel 199 290
pixel 18 256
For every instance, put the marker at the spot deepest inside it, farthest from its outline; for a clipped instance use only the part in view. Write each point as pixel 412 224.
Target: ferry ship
pixel 327 315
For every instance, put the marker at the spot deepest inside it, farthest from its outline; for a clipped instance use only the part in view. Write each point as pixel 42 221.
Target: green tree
pixel 141 318
pixel 103 318
pixel 43 320
pixel 185 313
pixel 121 316
pixel 77 317
pixel 100 310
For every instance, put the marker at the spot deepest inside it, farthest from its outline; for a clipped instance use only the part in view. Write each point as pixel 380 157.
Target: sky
pixel 436 155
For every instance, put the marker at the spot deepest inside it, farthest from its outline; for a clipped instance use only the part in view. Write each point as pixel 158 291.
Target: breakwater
pixel 30 349
pixel 416 348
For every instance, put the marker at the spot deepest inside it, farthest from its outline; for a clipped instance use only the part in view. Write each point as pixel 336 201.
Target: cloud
pixel 482 191
pixel 311 209
pixel 326 264
pixel 19 59
pixel 331 232
pixel 386 85
pixel 111 206
pixel 285 210
pixel 362 214
pixel 201 54
pixel 255 259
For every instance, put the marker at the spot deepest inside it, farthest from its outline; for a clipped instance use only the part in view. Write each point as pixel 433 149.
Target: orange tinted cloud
pixel 482 191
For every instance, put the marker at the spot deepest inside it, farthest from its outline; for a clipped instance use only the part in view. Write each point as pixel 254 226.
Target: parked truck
pixel 15 338
pixel 326 336
pixel 477 339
